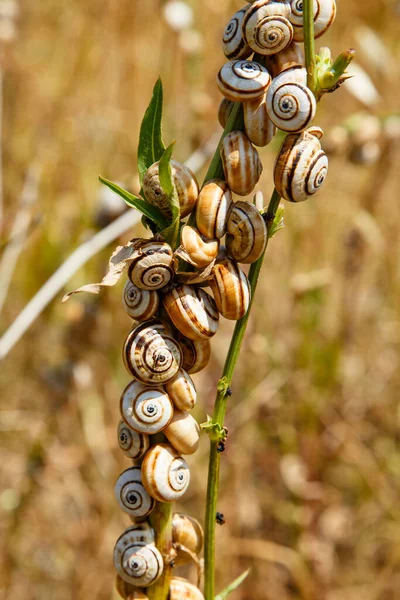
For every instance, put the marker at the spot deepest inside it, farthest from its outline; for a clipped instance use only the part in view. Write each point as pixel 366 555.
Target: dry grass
pixel 310 485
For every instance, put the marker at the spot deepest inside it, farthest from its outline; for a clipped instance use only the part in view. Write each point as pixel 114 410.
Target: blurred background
pixel 310 484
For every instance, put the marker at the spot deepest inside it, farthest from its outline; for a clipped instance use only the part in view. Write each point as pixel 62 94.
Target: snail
pixel 247 234
pixel 259 127
pixel 152 268
pixel 150 356
pixel 241 163
pixel 183 432
pixel 140 304
pixel 138 563
pixel 266 27
pixel 128 591
pixel 231 290
pixel 185 183
pixel 133 444
pixel 324 15
pixel 146 409
pixel 301 166
pixel 181 389
pixel 233 44
pixel 196 356
pixel 192 311
pixel 291 57
pixel 165 474
pixel 224 111
pixel 181 588
pixel 243 80
pixel 187 538
pixel 212 208
pixel 131 495
pixel 291 104
pixel 195 250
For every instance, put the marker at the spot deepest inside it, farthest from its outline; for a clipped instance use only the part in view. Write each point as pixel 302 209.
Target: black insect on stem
pixel 229 392
pixel 220 519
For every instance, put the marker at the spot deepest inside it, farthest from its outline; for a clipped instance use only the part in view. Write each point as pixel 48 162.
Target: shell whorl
pixel 324 15
pixel 259 127
pixel 233 44
pixel 146 409
pixel 301 166
pixel 181 588
pixel 181 389
pixel 231 290
pixel 132 496
pixel 192 311
pixel 185 183
pixel 165 474
pixel 196 354
pixel 195 249
pixel 139 304
pixel 152 268
pixel 133 444
pixel 241 163
pixel 183 432
pixel 247 234
pixel 138 563
pixel 243 80
pixel 267 28
pixel 212 208
pixel 291 104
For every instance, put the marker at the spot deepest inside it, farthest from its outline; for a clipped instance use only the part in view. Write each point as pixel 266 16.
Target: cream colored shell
pixel 233 44
pixel 266 27
pixel 146 409
pixel 133 444
pixel 128 591
pixel 324 15
pixel 152 269
pixel 212 208
pixel 243 80
pixel 301 166
pixel 247 234
pixel 183 432
pixel 196 356
pixel 187 535
pixel 181 389
pixel 165 474
pixel 186 186
pixel 138 563
pixel 132 496
pixel 181 589
pixel 241 163
pixel 197 251
pixel 139 304
pixel 291 104
pixel 231 290
pixel 259 127
pixel 192 311
pixel 291 57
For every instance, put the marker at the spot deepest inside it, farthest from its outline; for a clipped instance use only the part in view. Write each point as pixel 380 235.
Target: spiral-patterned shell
pixel 182 390
pixel 133 444
pixel 146 409
pixel 185 183
pixel 196 355
pixel 192 311
pixel 301 166
pixel 139 564
pixel 259 127
pixel 140 304
pixel 187 534
pixel 183 433
pixel 291 104
pixel 165 474
pixel 247 234
pixel 131 495
pixel 241 163
pixel 181 589
pixel 150 356
pixel 212 208
pixel 233 44
pixel 231 290
pixel 243 80
pixel 196 251
pixel 324 15
pixel 266 27
pixel 152 268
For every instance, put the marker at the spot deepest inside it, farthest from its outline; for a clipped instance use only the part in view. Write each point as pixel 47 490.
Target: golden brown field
pixel 311 475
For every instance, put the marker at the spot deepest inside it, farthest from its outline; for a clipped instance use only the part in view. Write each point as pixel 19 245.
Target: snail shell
pixel 233 44
pixel 291 104
pixel 181 389
pixel 291 57
pixel 140 304
pixel 152 268
pixel 185 183
pixel 247 234
pixel 192 311
pixel 183 433
pixel 181 589
pixel 131 495
pixel 301 166
pixel 199 252
pixel 165 474
pixel 150 356
pixel 224 111
pixel 128 591
pixel 146 410
pixel 243 80
pixel 133 444
pixel 196 356
pixel 241 163
pixel 212 208
pixel 266 27
pixel 231 290
pixel 138 563
pixel 187 533
pixel 259 127
pixel 324 15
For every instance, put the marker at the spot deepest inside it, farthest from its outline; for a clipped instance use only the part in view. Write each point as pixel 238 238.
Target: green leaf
pixel 151 212
pixel 233 586
pixel 151 146
pixel 171 233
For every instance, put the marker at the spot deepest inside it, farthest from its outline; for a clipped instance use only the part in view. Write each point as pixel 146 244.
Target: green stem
pixel 309 44
pixel 161 522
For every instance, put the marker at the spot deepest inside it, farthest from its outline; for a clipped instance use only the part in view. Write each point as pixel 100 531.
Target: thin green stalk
pixel 309 44
pixel 161 522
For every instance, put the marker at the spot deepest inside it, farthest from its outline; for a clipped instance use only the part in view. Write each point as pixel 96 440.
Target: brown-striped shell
pixel 140 304
pixel 165 474
pixel 212 208
pixel 224 111
pixel 233 44
pixel 231 290
pixel 195 250
pixel 183 432
pixel 243 80
pixel 181 589
pixel 138 563
pixel 259 127
pixel 187 537
pixel 181 389
pixel 146 409
pixel 247 234
pixel 241 163
pixel 196 355
pixel 132 496
pixel 133 444
pixel 291 104
pixel 291 57
pixel 152 268
pixel 324 15
pixel 192 311
pixel 186 186
pixel 266 27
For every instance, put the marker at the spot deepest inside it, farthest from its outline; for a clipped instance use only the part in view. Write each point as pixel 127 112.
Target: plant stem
pixel 219 413
pixel 309 44
pixel 161 522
